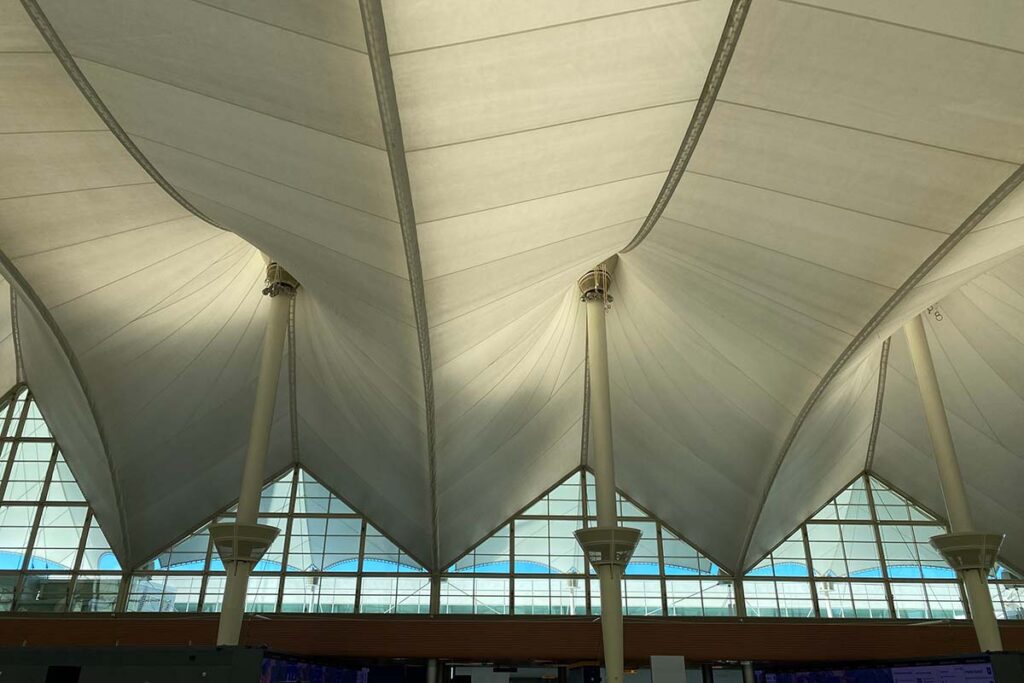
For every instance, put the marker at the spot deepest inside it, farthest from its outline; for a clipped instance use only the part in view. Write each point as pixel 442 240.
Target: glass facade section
pixel 865 554
pixel 475 595
pixel 534 566
pixel 852 599
pixel 868 554
pixel 53 554
pixel 326 558
pixel 778 598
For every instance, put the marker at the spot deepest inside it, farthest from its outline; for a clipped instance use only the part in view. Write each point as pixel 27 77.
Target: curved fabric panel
pixel 66 408
pixel 145 341
pixel 977 340
pixel 829 451
pixel 534 153
pixel 360 402
pixel 820 184
pixel 284 148
pixel 842 151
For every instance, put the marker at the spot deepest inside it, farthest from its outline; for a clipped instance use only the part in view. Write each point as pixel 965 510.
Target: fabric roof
pixel 793 181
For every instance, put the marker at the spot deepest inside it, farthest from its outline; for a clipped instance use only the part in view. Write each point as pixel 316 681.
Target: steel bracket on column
pixel 279 281
pixel 242 542
pixel 595 285
pixel 608 545
pixel 970 550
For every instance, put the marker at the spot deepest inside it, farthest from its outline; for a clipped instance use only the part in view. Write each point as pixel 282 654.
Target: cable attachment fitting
pixel 595 285
pixel 279 281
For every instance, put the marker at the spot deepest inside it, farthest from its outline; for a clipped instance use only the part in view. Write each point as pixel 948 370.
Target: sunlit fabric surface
pixel 841 152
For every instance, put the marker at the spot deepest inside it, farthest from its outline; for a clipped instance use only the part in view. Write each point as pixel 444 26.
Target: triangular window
pixel 866 554
pixel 533 565
pixel 326 558
pixel 53 554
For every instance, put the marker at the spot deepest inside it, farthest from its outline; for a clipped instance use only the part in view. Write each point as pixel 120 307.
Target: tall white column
pixel 608 545
pixel 602 461
pixel 954 493
pixel 233 607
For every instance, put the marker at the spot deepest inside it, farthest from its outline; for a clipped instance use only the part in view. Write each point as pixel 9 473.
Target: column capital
pixel 242 542
pixel 613 545
pixel 595 285
pixel 279 281
pixel 972 550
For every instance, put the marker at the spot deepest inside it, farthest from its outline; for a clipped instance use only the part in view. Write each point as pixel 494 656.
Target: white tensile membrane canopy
pixel 853 170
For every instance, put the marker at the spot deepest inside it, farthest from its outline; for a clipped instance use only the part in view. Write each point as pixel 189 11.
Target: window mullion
pixel 883 566
pixel 204 581
pixel 34 533
pixel 9 414
pixel 14 444
pixel 287 538
pixel 360 566
pixel 810 569
pixel 661 573
pixel 512 569
pixel 77 566
pixel 586 561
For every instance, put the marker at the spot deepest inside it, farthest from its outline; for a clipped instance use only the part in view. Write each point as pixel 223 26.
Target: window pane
pixel 164 593
pixel 381 555
pixel 276 496
pixel 1008 600
pixel 565 500
pixel 843 600
pixel 274 556
pixel 187 555
pixel 97 593
pixel 641 598
pixel 58 537
pixel 15 527
pixel 324 544
pixel 44 592
pixel 313 498
pixel 490 556
pixel 778 598
pixel 474 595
pixel 689 598
pixel 261 593
pixel 680 557
pixel 393 595
pixel 28 472
pixel 564 596
pixel 8 585
pixel 789 558
pixel 97 553
pixel 645 557
pixel 63 486
pixel 315 593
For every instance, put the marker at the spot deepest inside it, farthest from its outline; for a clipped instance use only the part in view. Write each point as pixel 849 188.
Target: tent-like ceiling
pixel 785 184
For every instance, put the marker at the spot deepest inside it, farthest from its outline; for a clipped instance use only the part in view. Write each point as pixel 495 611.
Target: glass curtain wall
pixel 866 555
pixel 863 555
pixel 53 554
pixel 326 558
pixel 534 566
